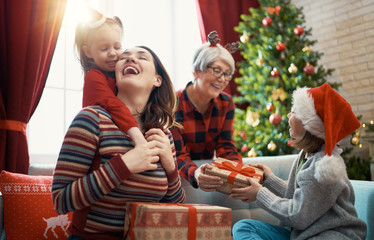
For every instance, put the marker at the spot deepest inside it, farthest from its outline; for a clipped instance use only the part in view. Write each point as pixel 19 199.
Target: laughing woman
pixel 99 169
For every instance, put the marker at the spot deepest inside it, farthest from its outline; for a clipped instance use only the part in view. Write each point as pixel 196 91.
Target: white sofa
pixel 280 165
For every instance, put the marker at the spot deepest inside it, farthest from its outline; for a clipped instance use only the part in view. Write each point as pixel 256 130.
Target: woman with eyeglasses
pixel 207 116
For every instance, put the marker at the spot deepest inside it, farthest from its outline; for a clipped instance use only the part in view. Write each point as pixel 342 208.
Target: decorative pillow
pixel 28 208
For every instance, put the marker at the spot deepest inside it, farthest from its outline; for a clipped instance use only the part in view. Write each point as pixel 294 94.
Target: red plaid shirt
pixel 203 134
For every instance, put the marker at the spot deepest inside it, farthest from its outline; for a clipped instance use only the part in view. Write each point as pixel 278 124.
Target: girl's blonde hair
pixel 83 36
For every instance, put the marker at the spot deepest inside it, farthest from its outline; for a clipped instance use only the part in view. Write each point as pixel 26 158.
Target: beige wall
pixel 345 33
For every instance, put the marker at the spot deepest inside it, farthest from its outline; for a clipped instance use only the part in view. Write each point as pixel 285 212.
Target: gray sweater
pixel 317 202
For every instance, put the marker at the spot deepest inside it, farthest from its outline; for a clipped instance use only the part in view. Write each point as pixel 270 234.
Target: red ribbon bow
pixel 271 10
pixel 246 171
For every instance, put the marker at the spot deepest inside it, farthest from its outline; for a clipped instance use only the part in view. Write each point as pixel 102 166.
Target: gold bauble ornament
pixel 272 146
pixel 292 68
pixel 252 153
pixel 278 94
pixel 355 140
pixel 307 49
pixel 253 118
pixel 260 62
pixel 244 38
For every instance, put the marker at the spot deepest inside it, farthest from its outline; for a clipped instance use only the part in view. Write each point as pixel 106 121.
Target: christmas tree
pixel 278 57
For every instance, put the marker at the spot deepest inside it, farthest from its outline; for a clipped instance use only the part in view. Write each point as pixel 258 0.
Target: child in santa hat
pixel 317 202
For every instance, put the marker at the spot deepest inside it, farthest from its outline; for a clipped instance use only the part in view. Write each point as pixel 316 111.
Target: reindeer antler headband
pixel 214 40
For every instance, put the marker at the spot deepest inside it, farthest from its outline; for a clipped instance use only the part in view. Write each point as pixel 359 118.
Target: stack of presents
pixel 151 221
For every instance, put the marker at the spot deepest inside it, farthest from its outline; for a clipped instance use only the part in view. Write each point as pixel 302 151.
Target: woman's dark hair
pixel 160 108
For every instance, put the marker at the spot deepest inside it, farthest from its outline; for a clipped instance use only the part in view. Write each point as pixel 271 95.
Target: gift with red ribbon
pixel 153 221
pixel 234 174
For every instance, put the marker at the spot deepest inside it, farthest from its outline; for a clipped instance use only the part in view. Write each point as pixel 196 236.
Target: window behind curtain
pixel 169 27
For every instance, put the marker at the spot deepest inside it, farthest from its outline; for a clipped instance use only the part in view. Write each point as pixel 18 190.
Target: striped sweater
pixel 97 194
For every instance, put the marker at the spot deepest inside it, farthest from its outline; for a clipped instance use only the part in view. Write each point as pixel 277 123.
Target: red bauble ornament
pixel 280 46
pixel 270 107
pixel 242 134
pixel 309 69
pixel 244 148
pixel 275 118
pixel 289 143
pixel 298 31
pixel 274 72
pixel 267 21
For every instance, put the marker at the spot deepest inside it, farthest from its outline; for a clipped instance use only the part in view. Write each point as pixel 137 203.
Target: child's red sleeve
pixel 100 90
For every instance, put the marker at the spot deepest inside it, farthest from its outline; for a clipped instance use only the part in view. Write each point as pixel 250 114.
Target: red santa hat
pixel 325 114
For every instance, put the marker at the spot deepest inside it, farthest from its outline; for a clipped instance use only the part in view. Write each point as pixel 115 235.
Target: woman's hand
pixel 246 194
pixel 163 147
pixel 266 169
pixel 141 158
pixel 206 182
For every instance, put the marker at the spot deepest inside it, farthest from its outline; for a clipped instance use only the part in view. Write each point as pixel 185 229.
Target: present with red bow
pixel 234 174
pixel 153 221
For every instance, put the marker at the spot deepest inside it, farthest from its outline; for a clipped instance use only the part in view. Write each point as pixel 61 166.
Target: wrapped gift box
pixel 154 221
pixel 234 174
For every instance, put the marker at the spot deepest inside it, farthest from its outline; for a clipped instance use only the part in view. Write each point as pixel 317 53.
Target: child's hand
pixel 136 135
pixel 141 158
pixel 246 194
pixel 266 169
pixel 163 146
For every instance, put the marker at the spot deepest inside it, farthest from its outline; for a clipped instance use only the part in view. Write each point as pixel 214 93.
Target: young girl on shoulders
pixel 317 202
pixel 98 44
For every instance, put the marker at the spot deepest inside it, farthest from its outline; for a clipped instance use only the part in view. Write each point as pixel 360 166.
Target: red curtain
pixel 28 36
pixel 223 16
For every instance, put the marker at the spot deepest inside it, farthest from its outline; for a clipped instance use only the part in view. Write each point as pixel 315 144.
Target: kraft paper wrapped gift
pixel 155 221
pixel 234 174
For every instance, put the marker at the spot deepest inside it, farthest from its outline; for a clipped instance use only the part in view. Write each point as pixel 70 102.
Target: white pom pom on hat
pixel 325 114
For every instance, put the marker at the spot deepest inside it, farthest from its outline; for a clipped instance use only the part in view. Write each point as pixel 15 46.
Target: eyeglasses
pixel 218 73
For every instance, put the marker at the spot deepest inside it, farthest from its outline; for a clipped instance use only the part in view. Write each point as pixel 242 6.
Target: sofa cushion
pixel 28 208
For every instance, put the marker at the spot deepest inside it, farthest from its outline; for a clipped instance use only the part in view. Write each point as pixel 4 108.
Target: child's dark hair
pixel 309 143
pixel 83 36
